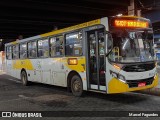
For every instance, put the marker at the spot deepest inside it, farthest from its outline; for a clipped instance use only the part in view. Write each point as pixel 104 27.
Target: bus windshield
pixel 132 46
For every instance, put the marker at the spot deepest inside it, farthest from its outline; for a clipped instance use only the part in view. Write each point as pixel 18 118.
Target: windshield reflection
pixel 132 46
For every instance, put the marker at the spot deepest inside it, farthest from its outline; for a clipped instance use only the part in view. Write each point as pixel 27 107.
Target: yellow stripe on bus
pixel 86 24
pixel 80 67
pixel 26 64
pixel 14 42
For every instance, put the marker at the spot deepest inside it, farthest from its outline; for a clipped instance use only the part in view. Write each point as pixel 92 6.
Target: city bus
pixel 107 55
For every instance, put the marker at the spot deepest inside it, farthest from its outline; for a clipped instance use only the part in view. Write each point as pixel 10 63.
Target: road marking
pixel 22 96
pixel 10 79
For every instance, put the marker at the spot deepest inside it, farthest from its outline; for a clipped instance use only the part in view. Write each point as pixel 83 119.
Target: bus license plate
pixel 141 84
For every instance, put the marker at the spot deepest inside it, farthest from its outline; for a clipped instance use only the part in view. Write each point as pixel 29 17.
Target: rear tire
pixel 24 78
pixel 76 86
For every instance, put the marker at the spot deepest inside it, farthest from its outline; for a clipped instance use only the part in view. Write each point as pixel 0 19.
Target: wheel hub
pixel 76 86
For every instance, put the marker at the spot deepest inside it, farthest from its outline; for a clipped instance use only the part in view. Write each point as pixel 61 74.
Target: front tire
pixel 76 86
pixel 24 78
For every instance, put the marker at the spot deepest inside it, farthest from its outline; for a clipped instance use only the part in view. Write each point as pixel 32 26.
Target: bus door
pixel 96 60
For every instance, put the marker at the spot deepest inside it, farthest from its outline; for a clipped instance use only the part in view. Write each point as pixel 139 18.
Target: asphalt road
pixel 39 97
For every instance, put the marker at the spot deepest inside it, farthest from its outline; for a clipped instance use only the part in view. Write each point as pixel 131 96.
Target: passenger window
pixel 9 52
pixel 23 51
pixel 32 49
pixel 43 48
pixel 73 44
pixel 53 46
pixel 15 51
pixel 56 46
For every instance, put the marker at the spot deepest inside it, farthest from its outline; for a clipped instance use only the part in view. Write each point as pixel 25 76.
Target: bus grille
pixel 134 83
pixel 139 68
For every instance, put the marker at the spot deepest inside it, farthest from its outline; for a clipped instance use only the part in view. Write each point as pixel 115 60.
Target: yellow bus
pixel 108 55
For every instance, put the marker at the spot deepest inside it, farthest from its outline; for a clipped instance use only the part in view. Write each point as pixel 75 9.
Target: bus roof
pixel 75 27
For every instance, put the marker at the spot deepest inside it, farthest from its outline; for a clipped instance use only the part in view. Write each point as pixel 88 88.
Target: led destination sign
pixel 131 23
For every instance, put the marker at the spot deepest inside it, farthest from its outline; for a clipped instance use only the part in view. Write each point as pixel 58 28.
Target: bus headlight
pixel 114 74
pixel 121 78
pixel 118 76
pixel 156 64
pixel 155 75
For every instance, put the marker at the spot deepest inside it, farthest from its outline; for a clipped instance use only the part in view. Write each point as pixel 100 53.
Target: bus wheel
pixel 24 78
pixel 76 86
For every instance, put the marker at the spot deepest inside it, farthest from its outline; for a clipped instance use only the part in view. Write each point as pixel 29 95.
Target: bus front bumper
pixel 116 86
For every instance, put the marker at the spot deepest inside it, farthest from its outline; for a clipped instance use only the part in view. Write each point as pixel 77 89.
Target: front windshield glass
pixel 132 46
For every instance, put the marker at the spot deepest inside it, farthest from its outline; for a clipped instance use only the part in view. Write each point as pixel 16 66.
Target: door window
pixel 96 50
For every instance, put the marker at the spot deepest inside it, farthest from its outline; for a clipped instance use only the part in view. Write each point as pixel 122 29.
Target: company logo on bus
pixel 131 23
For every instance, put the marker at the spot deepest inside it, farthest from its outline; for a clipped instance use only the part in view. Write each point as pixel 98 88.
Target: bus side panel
pixel 33 71
pixel 11 70
pixel 59 71
pixel 48 70
pixel 80 68
pixel 31 75
pixel 18 65
pixel 9 67
pixel 52 71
